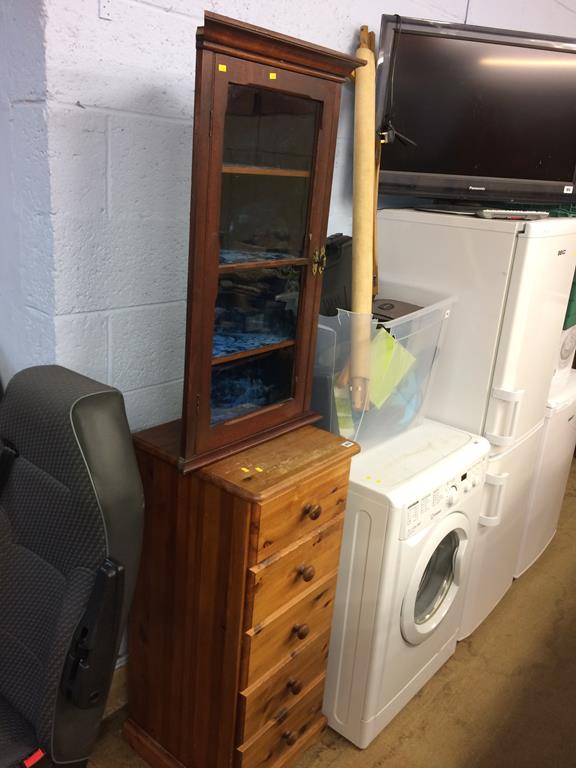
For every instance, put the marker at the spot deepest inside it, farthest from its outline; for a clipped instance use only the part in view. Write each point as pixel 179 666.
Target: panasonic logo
pixel 477 189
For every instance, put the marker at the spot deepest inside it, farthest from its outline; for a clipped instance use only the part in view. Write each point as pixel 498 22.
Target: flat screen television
pixel 478 114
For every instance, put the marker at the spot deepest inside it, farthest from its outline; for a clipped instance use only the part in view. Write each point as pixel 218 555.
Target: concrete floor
pixel 506 699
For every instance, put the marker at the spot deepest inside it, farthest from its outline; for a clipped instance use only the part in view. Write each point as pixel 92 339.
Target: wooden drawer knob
pixel 294 686
pixel 307 572
pixel 301 631
pixel 290 738
pixel 313 511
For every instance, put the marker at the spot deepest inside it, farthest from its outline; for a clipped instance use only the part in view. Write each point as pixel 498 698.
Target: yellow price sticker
pixel 272 75
pixel 222 68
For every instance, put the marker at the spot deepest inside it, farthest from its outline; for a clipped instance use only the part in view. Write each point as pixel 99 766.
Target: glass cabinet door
pixel 269 145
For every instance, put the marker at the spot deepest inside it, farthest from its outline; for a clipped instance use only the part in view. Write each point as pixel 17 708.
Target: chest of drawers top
pixel 265 471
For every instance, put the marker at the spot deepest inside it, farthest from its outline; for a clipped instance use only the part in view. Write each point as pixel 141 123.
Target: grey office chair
pixel 71 512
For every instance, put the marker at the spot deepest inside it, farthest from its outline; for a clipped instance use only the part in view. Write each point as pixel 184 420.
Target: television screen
pixel 476 113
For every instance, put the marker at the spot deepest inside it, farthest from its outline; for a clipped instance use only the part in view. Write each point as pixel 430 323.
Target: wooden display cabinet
pixel 265 124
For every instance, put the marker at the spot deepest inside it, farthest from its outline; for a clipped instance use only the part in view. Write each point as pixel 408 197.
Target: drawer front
pixel 284 686
pixel 288 574
pixel 283 737
pixel 311 503
pixel 266 644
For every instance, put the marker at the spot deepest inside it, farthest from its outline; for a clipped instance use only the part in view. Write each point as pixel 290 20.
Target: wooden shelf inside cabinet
pixel 289 261
pixel 265 124
pixel 254 352
pixel 230 621
pixel 256 170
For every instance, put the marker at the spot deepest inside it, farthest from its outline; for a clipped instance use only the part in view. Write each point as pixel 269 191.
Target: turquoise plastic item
pixel 570 318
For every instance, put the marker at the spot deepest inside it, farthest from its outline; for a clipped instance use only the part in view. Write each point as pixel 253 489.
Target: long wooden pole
pixel 363 221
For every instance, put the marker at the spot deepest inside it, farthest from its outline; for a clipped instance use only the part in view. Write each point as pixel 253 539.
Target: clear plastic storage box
pixel 395 360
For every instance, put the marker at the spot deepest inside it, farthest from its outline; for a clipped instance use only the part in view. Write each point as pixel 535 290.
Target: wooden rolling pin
pixel 363 222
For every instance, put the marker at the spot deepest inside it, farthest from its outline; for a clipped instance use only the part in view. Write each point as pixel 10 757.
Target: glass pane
pixel 262 217
pixel 254 308
pixel 437 579
pixel 269 145
pixel 269 129
pixel 254 382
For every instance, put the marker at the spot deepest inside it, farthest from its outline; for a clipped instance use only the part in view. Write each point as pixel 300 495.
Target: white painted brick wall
pixel 22 27
pixel 120 98
pixel 31 205
pixel 78 157
pixel 165 399
pixel 149 171
pixel 140 61
pixel 26 274
pixel 146 344
pixel 553 17
pixel 82 343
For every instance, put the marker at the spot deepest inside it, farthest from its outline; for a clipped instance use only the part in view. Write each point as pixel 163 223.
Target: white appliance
pixel 556 451
pixel 511 281
pixel 411 517
pixel 497 542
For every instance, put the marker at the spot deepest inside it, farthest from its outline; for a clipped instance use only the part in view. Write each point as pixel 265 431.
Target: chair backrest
pixel 72 502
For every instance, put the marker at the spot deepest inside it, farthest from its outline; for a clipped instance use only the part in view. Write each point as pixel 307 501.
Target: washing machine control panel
pixel 442 500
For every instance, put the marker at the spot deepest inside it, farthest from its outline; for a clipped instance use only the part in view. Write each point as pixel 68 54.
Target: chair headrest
pixel 75 429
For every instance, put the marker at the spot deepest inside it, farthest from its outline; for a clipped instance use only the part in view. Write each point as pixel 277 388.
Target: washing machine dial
pixel 452 495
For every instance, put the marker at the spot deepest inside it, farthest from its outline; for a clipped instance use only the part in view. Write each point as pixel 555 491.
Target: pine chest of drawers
pixel 231 619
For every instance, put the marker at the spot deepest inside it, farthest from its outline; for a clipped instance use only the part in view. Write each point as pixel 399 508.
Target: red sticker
pixel 34 758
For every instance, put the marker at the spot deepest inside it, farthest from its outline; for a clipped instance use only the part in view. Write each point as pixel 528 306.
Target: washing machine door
pixel 437 578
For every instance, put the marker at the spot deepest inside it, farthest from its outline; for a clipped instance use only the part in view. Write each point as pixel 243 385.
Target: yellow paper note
pixel 344 411
pixel 389 364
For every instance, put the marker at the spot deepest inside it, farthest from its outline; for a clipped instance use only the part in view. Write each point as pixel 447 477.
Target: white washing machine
pixel 555 454
pixel 412 512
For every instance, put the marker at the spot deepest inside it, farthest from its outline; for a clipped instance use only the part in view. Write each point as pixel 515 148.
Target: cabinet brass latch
pixel 319 261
